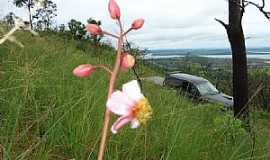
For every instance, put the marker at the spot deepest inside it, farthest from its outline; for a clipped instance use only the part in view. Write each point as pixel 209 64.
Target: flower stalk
pixel 137 113
pixel 114 75
pixel 110 34
pixel 104 68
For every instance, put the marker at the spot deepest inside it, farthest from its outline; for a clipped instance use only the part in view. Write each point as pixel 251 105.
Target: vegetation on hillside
pixel 47 113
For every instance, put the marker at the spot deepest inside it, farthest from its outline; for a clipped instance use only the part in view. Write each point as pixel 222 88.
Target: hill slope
pixel 47 113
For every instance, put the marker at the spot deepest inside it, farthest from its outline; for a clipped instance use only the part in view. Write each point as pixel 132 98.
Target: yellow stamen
pixel 142 110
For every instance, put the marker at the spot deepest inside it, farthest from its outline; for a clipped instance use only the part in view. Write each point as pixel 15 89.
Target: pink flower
pixel 93 29
pixel 83 70
pixel 114 9
pixel 131 105
pixel 127 61
pixel 137 24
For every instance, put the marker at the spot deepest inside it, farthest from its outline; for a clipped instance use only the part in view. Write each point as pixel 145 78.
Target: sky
pixel 169 24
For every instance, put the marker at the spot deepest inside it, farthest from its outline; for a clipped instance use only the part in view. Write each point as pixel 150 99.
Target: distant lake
pixel 257 53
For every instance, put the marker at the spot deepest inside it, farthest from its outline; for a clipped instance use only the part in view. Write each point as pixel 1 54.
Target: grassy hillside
pixel 47 113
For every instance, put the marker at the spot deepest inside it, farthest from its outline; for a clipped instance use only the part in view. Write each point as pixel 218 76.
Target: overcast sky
pixel 168 23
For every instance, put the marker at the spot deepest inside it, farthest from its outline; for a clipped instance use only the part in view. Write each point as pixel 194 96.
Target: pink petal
pixel 132 90
pixel 119 103
pixel 119 123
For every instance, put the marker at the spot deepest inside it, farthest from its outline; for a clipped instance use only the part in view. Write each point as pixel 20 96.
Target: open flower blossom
pixel 131 105
pixel 127 61
pixel 114 9
pixel 137 24
pixel 93 29
pixel 83 70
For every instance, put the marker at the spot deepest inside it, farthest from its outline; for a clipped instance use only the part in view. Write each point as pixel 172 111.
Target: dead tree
pixel 239 54
pixel 29 5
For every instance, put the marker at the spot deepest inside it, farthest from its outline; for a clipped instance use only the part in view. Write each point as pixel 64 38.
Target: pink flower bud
pixel 93 29
pixel 127 61
pixel 137 24
pixel 83 70
pixel 114 9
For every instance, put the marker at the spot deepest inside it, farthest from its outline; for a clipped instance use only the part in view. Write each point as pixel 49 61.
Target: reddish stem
pixel 130 29
pixel 111 89
pixel 110 34
pixel 104 68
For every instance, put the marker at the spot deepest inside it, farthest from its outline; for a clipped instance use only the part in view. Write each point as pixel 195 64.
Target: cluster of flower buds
pixel 115 14
pixel 127 60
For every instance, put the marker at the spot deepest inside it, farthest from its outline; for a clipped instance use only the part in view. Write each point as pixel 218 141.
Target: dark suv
pixel 197 87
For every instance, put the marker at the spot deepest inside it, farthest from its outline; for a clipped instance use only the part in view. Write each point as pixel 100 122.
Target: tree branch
pixel 243 9
pixel 260 7
pixel 222 23
pixel 133 68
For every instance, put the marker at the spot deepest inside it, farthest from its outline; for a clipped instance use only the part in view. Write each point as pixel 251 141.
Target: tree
pixel 239 55
pixel 77 29
pixel 96 38
pixel 62 28
pixel 9 19
pixel 29 4
pixel 45 14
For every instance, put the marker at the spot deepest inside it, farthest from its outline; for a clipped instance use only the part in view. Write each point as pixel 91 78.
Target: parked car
pixel 197 88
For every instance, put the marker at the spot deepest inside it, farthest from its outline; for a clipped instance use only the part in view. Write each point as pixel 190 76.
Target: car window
pixel 185 86
pixel 193 90
pixel 207 88
pixel 173 82
pixel 190 88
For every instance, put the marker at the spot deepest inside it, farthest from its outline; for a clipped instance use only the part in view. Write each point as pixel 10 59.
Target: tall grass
pixel 47 113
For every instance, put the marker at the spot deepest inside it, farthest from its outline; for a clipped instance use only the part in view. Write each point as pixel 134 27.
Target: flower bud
pixel 114 9
pixel 137 24
pixel 83 70
pixel 127 61
pixel 93 29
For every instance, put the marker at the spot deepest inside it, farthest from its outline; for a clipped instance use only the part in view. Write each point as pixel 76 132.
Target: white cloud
pixel 168 23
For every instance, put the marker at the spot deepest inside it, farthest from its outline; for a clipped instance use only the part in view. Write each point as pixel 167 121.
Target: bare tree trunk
pixel 239 57
pixel 29 12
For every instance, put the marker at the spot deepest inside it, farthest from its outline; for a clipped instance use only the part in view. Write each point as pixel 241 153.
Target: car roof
pixel 187 77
